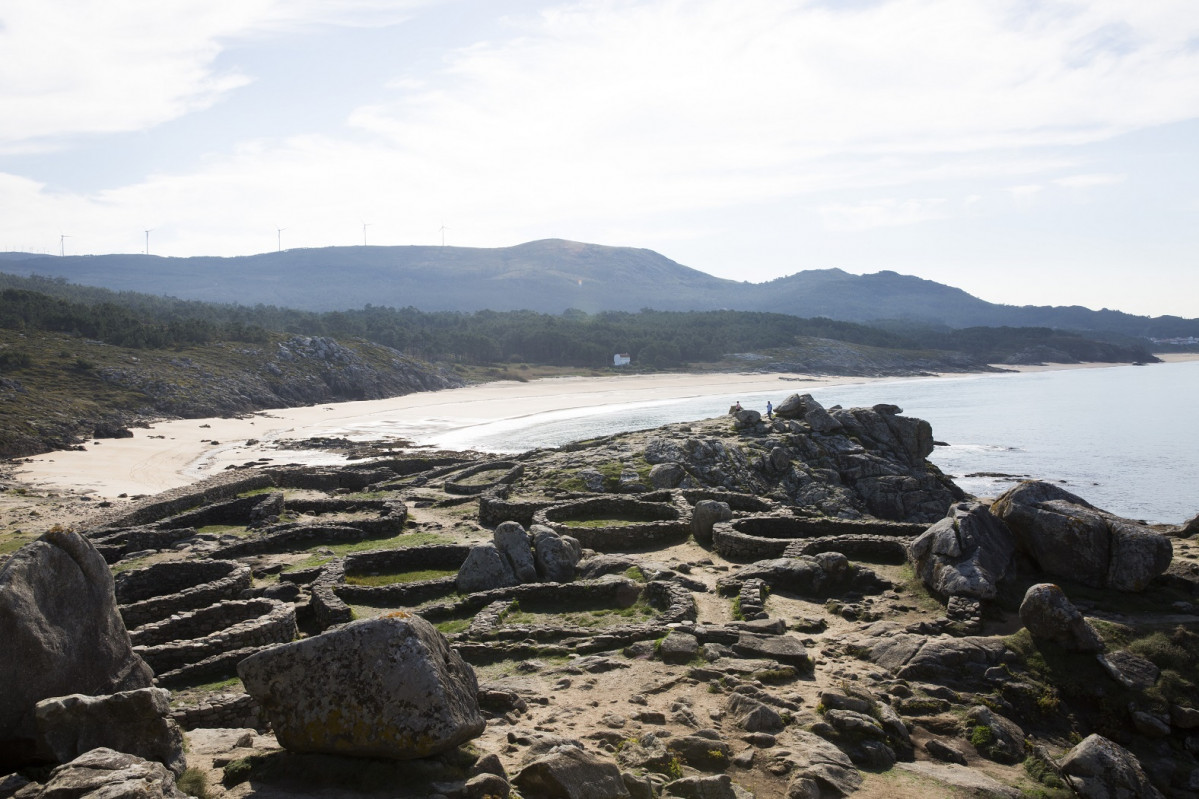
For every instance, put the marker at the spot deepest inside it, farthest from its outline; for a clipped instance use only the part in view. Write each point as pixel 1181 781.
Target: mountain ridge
pixel 553 275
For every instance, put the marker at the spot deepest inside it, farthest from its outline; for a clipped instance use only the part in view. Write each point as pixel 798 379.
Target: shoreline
pixel 179 452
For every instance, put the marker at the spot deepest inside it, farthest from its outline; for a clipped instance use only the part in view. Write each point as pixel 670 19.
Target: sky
pixel 1031 152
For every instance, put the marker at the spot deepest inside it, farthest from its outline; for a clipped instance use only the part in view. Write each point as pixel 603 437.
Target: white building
pixel 621 359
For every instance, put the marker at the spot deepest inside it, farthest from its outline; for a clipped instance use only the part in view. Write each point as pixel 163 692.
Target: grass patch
pixel 401 541
pixel 129 565
pixel 10 544
pixel 415 576
pixel 578 616
pixel 451 626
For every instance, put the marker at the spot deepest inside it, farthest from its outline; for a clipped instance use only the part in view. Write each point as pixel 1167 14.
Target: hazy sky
pixel 1030 152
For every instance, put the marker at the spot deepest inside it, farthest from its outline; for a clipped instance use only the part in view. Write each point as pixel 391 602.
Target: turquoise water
pixel 1124 438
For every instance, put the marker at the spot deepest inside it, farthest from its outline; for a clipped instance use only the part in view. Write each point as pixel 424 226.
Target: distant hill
pixel 553 275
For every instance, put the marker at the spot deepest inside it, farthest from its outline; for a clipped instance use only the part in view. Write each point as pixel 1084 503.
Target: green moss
pixel 635 574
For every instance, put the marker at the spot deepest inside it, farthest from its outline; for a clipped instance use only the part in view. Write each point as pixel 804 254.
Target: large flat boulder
pixel 967 553
pixel 61 634
pixel 1068 537
pixel 107 774
pixel 389 687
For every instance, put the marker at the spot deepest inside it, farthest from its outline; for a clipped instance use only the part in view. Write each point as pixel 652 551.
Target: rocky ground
pixel 737 622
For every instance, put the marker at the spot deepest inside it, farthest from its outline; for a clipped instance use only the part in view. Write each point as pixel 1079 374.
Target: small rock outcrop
pixel 389 687
pixel 1098 769
pixel 1050 616
pixel 1068 537
pixel 968 553
pixel 110 774
pixel 62 634
pixel 135 722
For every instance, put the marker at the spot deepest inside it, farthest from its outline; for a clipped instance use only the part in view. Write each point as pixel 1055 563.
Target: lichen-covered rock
pixel 513 543
pixel 1068 537
pixel 967 553
pixel 61 632
pixel 1101 769
pixel 106 774
pixel 135 722
pixel 389 687
pixel 1050 616
pixel 485 568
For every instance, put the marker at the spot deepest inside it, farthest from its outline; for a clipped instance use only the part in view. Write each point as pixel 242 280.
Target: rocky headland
pixel 800 606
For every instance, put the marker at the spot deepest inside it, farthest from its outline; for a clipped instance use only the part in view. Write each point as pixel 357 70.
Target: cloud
pixel 594 116
pixel 1090 180
pixel 82 67
pixel 844 218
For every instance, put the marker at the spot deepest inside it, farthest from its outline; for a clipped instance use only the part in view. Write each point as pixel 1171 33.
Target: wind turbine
pixel 443 230
pixel 365 225
pixel 62 237
pixel 279 237
pixel 148 232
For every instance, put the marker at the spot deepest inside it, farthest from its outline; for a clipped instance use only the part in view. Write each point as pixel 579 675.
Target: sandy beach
pixel 174 453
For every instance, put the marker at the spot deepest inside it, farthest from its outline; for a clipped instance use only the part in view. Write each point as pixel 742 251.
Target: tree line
pixel 659 339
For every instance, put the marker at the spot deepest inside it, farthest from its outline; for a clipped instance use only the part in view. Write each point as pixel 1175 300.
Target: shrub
pixel 193 782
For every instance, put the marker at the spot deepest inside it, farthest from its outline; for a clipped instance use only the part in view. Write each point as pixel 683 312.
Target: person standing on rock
pixel 769 410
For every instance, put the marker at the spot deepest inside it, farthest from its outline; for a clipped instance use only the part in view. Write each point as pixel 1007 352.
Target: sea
pixel 1124 438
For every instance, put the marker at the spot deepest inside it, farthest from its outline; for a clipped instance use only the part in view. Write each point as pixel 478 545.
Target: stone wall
pixel 158 591
pixel 760 537
pixel 173 503
pixel 494 511
pixel 231 625
pixel 221 711
pixel 742 503
pixel 294 537
pixel 231 511
pixel 316 478
pixel 327 608
pixel 665 523
pixel 512 472
pixel 445 556
pixel 115 544
pixel 383 561
pixel 869 548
